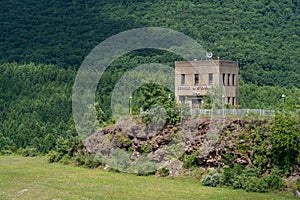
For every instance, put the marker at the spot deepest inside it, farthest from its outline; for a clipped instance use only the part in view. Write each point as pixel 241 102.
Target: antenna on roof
pixel 209 54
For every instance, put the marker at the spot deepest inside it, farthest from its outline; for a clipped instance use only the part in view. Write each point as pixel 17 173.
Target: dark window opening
pixel 182 79
pixel 182 99
pixel 223 79
pixel 196 103
pixel 210 78
pixel 228 81
pixel 233 79
pixel 196 79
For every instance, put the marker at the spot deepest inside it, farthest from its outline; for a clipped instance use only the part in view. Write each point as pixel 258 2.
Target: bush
pixel 91 162
pixel 250 179
pixel 255 184
pixel 274 182
pixel 163 172
pixel 28 151
pixel 252 172
pixel 234 177
pixel 53 156
pixel 79 159
pixel 213 178
pixel 285 140
pixel 190 161
pixel 146 148
pixel 66 159
pixel 239 182
pixel 298 184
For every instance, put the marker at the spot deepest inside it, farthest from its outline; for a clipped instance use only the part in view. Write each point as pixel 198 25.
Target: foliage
pixel 259 34
pixel 28 151
pixel 146 148
pixel 35 107
pixel 54 156
pixel 255 184
pixel 298 184
pixel 164 171
pixel 285 140
pixel 124 141
pixel 190 161
pixel 213 178
pixel 248 179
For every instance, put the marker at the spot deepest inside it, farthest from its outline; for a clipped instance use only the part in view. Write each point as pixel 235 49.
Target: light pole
pixel 130 106
pixel 223 106
pixel 283 96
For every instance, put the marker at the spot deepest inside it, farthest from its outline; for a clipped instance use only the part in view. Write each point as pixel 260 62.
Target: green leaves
pixel 285 140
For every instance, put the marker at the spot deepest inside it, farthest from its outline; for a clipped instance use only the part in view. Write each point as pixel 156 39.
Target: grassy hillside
pixel 34 178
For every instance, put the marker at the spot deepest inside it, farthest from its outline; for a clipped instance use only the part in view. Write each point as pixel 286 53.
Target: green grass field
pixel 35 178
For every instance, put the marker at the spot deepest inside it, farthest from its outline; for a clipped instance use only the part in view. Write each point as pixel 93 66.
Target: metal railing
pixel 232 112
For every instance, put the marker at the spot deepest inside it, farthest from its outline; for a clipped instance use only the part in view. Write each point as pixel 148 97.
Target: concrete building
pixel 193 80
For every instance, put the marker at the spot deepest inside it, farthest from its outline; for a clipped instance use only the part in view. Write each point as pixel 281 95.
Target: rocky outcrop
pixel 218 141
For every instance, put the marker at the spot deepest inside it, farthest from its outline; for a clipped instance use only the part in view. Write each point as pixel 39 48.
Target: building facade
pixel 193 80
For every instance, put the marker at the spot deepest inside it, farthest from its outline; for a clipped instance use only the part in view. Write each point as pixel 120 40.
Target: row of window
pixel 196 79
pixel 230 79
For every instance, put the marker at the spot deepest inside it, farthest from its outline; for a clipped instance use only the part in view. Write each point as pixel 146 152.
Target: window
pixel 182 79
pixel 210 78
pixel 196 79
pixel 182 99
pixel 228 99
pixel 223 79
pixel 196 103
pixel 228 79
pixel 233 101
pixel 233 79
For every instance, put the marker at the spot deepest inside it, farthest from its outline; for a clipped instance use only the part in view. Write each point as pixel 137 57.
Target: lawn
pixel 35 178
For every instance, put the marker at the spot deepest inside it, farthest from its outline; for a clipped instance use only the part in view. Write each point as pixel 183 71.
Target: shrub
pixel 233 177
pixel 274 182
pixel 255 184
pixel 213 178
pixel 298 184
pixel 146 148
pixel 91 162
pixel 252 172
pixel 79 159
pixel 239 181
pixel 285 140
pixel 163 172
pixel 66 159
pixel 53 156
pixel 28 151
pixel 190 161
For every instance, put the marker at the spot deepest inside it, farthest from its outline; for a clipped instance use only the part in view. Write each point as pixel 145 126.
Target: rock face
pixel 218 141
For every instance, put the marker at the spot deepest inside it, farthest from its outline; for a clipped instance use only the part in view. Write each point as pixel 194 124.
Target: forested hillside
pixel 35 105
pixel 262 35
pixel 35 99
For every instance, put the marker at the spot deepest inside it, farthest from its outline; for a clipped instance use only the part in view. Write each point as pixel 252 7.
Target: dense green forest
pixel 262 35
pixel 35 99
